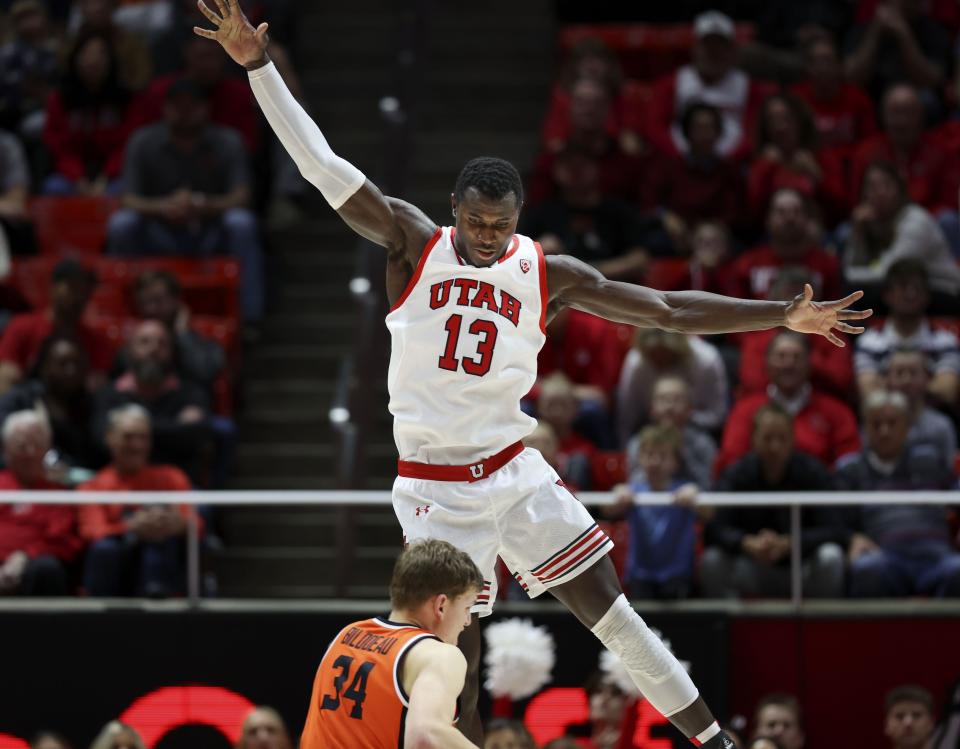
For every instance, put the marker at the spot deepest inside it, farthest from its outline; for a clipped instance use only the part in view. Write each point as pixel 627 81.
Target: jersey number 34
pixel 356 692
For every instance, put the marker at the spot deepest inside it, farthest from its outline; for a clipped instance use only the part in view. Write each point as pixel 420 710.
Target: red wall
pixel 841 669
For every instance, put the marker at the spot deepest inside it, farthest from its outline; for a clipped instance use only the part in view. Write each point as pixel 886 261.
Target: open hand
pixel 823 318
pixel 245 44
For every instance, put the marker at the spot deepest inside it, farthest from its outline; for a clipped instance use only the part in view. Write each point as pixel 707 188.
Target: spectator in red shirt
pixel 620 172
pixel 707 269
pixel 134 548
pixel 88 121
pixel 229 97
pixel 593 59
pixel 35 540
pixel 71 285
pixel 931 174
pixel 787 156
pixel 831 368
pixel 698 186
pixel 823 426
pixel 789 226
pixel 712 78
pixel 842 113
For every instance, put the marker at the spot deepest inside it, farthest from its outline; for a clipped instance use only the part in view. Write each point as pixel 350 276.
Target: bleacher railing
pixel 354 499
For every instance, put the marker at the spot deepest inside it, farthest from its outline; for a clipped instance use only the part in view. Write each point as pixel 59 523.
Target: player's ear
pixel 440 604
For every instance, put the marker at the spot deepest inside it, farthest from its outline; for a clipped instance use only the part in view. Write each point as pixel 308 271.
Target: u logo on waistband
pixel 476 470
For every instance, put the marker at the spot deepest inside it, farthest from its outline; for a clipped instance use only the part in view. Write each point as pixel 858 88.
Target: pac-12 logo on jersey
pixel 524 265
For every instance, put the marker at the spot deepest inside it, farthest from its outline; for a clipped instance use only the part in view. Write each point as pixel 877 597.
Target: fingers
pixel 222 7
pixel 207 33
pixel 842 326
pixel 834 339
pixel 847 300
pixel 854 314
pixel 807 292
pixel 211 16
pixel 261 35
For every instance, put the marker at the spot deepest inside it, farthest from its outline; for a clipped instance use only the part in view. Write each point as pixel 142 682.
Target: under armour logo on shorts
pixel 423 509
pixel 476 470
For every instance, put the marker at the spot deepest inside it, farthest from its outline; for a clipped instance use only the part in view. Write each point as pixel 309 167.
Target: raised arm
pixel 390 223
pixel 433 675
pixel 575 284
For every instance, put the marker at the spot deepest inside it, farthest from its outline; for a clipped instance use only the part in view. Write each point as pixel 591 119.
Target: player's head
pixel 486 204
pixel 909 717
pixel 437 585
pixel 778 717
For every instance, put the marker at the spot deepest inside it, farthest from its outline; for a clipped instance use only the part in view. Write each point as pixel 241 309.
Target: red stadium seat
pixel 607 469
pixel 210 285
pixel 73 225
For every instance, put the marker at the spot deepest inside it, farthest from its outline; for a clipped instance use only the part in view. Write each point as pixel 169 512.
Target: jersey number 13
pixel 487 333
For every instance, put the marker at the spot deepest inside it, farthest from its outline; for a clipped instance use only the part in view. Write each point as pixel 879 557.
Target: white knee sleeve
pixel 653 668
pixel 335 177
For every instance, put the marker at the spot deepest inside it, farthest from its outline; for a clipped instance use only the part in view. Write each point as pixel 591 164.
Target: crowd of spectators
pixel 821 152
pixel 835 167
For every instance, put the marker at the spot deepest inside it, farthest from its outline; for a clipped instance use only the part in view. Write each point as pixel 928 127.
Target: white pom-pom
pixel 613 668
pixel 519 658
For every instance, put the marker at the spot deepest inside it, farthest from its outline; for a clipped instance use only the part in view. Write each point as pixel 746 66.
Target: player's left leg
pixel 596 599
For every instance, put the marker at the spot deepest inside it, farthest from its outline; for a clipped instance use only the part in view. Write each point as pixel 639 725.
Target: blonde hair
pixel 112 730
pixel 428 568
pixel 274 716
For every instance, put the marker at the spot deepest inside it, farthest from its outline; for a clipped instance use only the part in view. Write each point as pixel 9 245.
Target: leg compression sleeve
pixel 336 178
pixel 653 668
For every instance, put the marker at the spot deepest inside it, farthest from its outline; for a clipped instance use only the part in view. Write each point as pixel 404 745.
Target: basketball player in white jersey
pixel 469 305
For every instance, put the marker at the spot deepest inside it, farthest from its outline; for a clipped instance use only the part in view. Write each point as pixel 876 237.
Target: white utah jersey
pixel 464 352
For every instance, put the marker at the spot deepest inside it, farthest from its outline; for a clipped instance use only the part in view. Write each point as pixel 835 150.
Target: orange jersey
pixel 358 701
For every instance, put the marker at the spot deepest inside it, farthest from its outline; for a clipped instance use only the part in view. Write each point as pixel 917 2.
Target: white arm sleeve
pixel 336 178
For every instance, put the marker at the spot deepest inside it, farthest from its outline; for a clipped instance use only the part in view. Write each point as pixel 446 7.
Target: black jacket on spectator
pixel 804 474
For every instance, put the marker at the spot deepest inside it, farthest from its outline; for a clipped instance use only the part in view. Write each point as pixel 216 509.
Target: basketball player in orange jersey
pixel 390 683
pixel 470 303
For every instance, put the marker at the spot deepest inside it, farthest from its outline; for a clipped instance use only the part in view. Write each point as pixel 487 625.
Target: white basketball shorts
pixel 518 510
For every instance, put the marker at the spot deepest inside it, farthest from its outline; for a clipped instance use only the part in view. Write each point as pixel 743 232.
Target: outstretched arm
pixel 575 284
pixel 358 201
